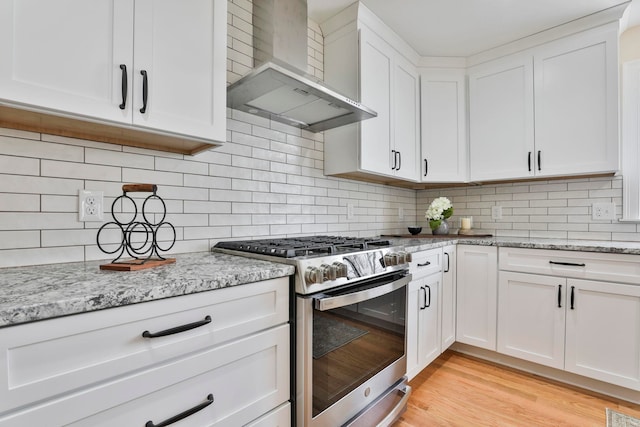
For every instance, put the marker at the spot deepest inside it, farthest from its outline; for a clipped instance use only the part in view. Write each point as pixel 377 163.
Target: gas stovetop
pixel 325 262
pixel 308 246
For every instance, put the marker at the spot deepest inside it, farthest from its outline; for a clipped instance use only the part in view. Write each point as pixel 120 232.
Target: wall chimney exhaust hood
pixel 277 88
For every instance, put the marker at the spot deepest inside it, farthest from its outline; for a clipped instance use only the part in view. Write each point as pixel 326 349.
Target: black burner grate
pixel 304 246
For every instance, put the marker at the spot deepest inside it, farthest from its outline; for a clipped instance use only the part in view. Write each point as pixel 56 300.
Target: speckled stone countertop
pixel 46 291
pixel 423 243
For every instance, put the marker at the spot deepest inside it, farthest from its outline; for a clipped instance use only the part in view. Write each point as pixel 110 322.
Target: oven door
pixel 354 348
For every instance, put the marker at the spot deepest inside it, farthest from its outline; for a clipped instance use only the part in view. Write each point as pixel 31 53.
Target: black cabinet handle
pixel 177 329
pixel 426 167
pixel 529 161
pixel 395 159
pixel 539 160
pixel 573 264
pixel 572 296
pixel 399 159
pixel 447 269
pixel 145 91
pixel 424 298
pixel 123 67
pixel 182 415
pixel 559 296
pixel 425 264
pixel 425 303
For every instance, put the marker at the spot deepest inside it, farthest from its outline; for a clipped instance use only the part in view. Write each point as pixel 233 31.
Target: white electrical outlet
pixel 496 212
pixel 400 213
pixel 603 211
pixel 90 205
pixel 350 213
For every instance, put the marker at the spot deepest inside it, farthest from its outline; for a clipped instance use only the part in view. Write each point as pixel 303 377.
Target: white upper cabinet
pixel 443 101
pixel 66 56
pixel 576 104
pixel 145 64
pixel 548 111
pixel 365 63
pixel 185 62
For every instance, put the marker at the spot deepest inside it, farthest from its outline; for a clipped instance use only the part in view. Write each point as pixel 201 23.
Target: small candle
pixel 465 223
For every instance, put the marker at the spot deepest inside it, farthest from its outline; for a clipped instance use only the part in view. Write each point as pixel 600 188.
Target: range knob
pixel 391 259
pixel 341 269
pixel 313 275
pixel 328 272
pixel 404 257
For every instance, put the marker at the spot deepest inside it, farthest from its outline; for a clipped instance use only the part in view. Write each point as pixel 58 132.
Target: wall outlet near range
pixel 606 211
pixel 350 212
pixel 90 205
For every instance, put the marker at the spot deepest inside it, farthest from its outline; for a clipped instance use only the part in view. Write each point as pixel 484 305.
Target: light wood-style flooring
pixel 459 390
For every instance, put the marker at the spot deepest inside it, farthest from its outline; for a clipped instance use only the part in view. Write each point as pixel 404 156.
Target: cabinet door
pixel 406 123
pixel 477 288
pixel 531 317
pixel 443 118
pixel 576 108
pixel 376 62
pixel 65 56
pixel 501 135
pixel 178 45
pixel 448 298
pixel 603 332
pixel 423 324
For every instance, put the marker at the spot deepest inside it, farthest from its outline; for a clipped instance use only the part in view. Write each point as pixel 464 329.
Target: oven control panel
pixel 356 266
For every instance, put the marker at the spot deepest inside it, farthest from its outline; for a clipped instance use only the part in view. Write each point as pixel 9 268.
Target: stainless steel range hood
pixel 277 88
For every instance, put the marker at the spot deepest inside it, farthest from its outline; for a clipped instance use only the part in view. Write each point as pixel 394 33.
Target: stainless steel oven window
pixel 356 335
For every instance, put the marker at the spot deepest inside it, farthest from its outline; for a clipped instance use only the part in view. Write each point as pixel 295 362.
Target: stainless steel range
pixel 350 316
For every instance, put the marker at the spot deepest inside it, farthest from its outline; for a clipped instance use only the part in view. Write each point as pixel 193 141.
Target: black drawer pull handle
pixel 177 329
pixel 426 167
pixel 424 299
pixel 123 67
pixel 429 303
pixel 399 160
pixel 572 296
pixel 425 264
pixel 539 160
pixel 529 161
pixel 559 296
pixel 572 264
pixel 448 260
pixel 145 91
pixel 182 415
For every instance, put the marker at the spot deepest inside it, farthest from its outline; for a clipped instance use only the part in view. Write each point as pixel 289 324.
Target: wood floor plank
pixel 460 390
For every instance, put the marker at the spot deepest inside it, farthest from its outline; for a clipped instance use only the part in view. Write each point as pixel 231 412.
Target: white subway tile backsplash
pixel 40 150
pixel 38 185
pixel 11 202
pixel 183 166
pixel 152 177
pixel 33 256
pixel 19 165
pixel 118 158
pixel 19 239
pixel 60 169
pixel 207 207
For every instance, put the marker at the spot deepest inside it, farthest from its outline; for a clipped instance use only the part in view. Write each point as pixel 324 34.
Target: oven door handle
pixel 323 302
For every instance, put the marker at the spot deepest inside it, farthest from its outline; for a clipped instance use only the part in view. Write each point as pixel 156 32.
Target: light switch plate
pixel 350 213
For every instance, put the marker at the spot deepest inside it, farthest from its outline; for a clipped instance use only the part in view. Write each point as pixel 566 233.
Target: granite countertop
pixel 414 244
pixel 46 291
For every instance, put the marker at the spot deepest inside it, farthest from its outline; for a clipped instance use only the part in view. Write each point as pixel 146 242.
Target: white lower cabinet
pixel 477 291
pixel 587 327
pixel 98 368
pixel 423 310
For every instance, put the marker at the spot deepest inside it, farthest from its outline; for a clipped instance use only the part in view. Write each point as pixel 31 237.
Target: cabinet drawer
pixel 279 417
pixel 425 263
pixel 41 360
pixel 619 268
pixel 246 378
